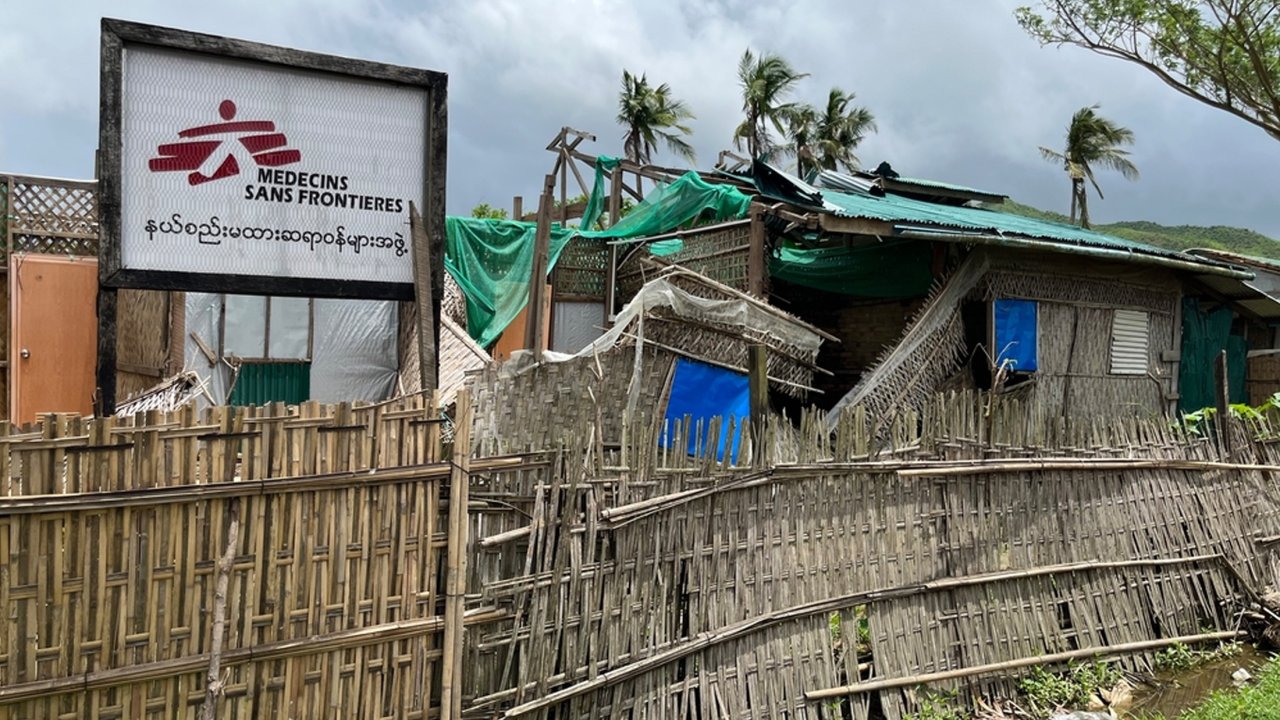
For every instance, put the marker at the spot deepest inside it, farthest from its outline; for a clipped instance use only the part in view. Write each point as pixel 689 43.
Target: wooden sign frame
pixel 117 36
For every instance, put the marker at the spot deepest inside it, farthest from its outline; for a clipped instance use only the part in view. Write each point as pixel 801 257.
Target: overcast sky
pixel 959 93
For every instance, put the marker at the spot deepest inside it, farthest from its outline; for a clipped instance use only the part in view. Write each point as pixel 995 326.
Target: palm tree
pixel 841 129
pixel 1092 140
pixel 766 81
pixel 650 114
pixel 827 139
pixel 802 133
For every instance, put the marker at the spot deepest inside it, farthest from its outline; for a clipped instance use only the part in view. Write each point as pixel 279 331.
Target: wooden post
pixel 758 385
pixel 535 326
pixel 517 208
pixel 1224 402
pixel 456 562
pixel 105 403
pixel 428 360
pixel 564 191
pixel 611 274
pixel 755 256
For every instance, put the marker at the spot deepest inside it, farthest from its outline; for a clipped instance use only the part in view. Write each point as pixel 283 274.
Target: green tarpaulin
pixel 1204 336
pixel 492 260
pixel 890 270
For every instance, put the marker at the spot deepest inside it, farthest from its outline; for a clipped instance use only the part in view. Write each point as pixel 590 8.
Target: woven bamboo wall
pixel 1075 316
pixel 686 588
pixel 545 406
pixel 112 533
pixel 1076 303
pixel 143 337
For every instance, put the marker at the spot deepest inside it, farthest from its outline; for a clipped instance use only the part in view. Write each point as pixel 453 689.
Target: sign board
pixel 229 166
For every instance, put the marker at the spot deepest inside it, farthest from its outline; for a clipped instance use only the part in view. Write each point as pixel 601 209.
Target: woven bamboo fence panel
pixel 580 272
pixel 113 532
pixel 694 589
pixel 720 254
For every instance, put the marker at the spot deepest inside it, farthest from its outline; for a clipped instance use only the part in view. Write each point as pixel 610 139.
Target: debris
pixel 1241 677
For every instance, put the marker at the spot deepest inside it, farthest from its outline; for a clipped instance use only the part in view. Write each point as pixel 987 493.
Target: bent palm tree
pixel 766 81
pixel 1092 140
pixel 650 114
pixel 840 130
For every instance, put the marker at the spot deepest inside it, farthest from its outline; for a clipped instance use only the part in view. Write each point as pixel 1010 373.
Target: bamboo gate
pixel 353 571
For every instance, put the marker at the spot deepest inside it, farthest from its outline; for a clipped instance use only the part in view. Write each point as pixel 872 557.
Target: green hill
pixel 1177 237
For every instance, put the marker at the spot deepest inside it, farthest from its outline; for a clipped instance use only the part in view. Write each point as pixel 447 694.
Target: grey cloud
pixel 960 94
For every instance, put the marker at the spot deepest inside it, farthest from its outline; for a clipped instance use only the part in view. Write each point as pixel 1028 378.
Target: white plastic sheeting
pixel 355 350
pixel 203 311
pixel 290 328
pixel 574 325
pixel 353 342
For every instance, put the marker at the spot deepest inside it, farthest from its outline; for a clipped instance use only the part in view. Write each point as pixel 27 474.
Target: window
pixel 1016 334
pixel 260 327
pixel 1130 340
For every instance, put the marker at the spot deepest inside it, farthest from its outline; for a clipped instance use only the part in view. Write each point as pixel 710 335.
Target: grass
pixel 1183 657
pixel 1045 692
pixel 1259 701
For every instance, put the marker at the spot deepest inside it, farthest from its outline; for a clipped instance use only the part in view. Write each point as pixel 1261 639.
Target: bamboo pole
pixel 269 652
pixel 756 271
pixel 1223 418
pixel 69 502
pixel 1097 652
pixel 1053 465
pixel 456 562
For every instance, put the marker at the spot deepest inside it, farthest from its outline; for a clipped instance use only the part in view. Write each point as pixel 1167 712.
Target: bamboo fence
pixel 288 562
pixel 967 540
pixel 325 561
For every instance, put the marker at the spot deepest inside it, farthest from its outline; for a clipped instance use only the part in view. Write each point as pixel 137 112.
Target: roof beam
pixel 854 226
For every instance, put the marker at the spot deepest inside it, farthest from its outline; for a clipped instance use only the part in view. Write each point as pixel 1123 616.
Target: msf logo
pixel 214 158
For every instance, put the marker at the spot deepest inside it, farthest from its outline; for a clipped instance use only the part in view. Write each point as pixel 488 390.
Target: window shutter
pixel 1129 343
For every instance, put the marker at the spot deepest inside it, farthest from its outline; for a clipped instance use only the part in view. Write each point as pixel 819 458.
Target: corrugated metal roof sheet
pixel 845 183
pixel 946 186
pixel 905 211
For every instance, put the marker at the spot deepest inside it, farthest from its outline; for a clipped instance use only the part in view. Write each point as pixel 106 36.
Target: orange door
pixel 53 344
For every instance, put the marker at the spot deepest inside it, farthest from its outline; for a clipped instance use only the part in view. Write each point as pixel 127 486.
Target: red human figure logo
pixel 213 159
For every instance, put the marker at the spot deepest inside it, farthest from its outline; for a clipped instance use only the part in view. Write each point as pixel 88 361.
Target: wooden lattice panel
pixel 53 216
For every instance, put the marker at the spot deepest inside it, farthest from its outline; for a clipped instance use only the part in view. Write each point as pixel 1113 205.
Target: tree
pixel 484 211
pixel 651 114
pixel 1092 140
pixel 802 134
pixel 1224 53
pixel 766 82
pixel 828 139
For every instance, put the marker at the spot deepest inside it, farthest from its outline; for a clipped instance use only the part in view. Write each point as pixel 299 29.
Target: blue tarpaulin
pixel 701 392
pixel 1016 334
